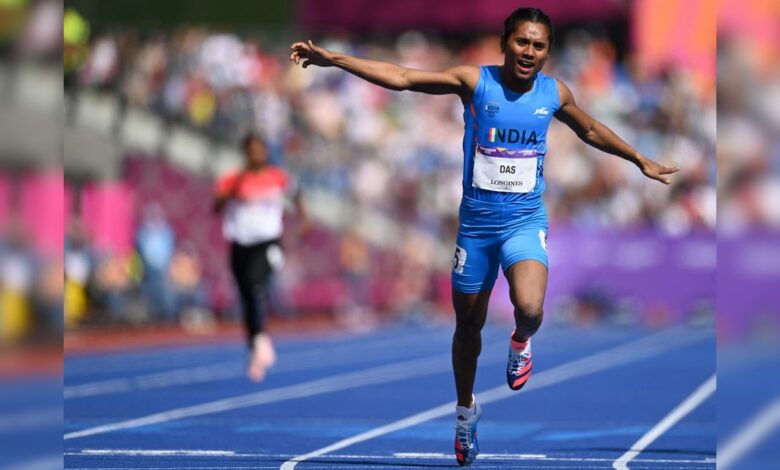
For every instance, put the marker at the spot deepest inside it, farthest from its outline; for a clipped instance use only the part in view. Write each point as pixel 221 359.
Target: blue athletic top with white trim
pixel 505 139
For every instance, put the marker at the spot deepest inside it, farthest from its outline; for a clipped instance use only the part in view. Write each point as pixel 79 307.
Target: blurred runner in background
pixel 252 200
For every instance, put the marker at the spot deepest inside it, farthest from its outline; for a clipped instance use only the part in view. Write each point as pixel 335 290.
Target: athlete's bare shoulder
pixel 564 93
pixel 468 75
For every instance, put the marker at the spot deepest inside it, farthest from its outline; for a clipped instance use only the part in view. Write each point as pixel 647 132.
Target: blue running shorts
pixel 492 234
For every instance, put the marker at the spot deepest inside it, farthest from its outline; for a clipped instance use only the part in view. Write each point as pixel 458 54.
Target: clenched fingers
pixel 299 50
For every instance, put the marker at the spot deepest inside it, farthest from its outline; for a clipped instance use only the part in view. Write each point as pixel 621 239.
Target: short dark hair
pixel 249 137
pixel 520 15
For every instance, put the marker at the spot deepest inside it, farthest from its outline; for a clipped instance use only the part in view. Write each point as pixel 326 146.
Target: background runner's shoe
pixel 264 348
pixel 256 368
pixel 519 364
pixel 261 357
pixel 466 446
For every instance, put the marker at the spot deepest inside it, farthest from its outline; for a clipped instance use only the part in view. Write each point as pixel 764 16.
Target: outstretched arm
pixel 601 137
pixel 459 80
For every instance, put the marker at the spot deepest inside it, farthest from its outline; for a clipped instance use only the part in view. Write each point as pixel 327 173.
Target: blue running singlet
pixel 502 216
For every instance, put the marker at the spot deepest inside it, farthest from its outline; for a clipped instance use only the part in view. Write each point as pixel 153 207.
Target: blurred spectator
pixel 12 20
pixel 411 289
pixel 103 62
pixel 41 35
pixel 186 279
pixel 50 299
pixel 113 291
pixel 80 264
pixel 155 244
pixel 17 278
pixel 355 263
pixel 76 31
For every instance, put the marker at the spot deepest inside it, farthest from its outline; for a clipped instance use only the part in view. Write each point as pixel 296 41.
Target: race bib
pixel 505 170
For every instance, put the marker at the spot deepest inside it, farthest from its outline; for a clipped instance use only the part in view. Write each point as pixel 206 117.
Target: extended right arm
pixel 460 80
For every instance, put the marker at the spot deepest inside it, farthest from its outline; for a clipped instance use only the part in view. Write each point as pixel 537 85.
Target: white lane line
pixel 221 371
pixel 99 365
pixel 49 462
pixel 645 347
pixel 78 365
pixel 695 399
pixel 160 453
pixel 375 375
pixel 294 360
pixel 533 457
pixel 31 419
pixel 190 375
pixel 370 376
pixel 753 433
pixel 187 467
pixel 381 466
pixel 397 456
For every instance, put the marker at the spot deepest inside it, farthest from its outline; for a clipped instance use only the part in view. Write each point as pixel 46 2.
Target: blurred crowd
pixel 401 152
pixel 749 177
pixel 748 227
pixel 748 136
pixel 31 281
pixel 30 289
pixel 159 281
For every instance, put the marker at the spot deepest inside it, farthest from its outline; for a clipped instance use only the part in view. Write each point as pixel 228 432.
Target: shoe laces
pixel 518 360
pixel 464 434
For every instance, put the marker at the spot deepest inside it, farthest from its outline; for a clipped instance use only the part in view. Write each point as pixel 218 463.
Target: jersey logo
pixel 512 136
pixel 459 260
pixel 541 113
pixel 491 108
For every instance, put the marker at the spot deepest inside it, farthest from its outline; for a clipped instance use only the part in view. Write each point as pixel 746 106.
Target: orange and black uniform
pixel 253 226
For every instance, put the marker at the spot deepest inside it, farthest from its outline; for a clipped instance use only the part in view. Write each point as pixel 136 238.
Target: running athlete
pixel 253 202
pixel 503 222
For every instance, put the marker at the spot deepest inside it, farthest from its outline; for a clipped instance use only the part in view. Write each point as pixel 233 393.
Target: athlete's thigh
pixel 239 262
pixel 259 268
pixel 524 259
pixel 475 263
pixel 527 281
pixel 526 244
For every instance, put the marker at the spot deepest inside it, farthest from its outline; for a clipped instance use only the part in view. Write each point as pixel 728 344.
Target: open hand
pixel 310 54
pixel 657 171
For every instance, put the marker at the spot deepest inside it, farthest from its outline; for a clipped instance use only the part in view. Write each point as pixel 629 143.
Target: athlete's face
pixel 256 153
pixel 526 49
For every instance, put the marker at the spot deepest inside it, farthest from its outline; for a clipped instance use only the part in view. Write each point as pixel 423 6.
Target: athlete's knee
pixel 529 306
pixel 468 329
pixel 530 312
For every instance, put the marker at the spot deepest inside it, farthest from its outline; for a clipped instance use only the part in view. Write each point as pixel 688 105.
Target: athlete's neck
pixel 256 166
pixel 513 83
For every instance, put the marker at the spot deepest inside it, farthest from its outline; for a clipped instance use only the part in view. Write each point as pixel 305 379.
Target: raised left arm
pixel 599 136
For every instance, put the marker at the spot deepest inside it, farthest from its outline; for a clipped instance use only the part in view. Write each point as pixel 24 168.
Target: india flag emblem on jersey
pixel 492 134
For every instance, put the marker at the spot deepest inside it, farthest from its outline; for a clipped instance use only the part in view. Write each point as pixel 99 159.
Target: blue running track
pixel 384 400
